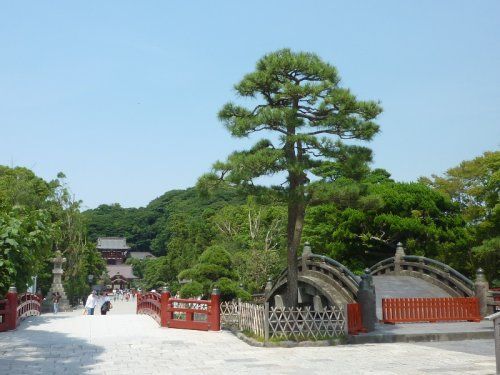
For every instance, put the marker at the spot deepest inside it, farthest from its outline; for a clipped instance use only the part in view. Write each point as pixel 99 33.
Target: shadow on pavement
pixel 39 351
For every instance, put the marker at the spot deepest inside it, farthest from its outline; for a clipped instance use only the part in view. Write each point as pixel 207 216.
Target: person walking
pixel 55 300
pixel 91 303
pixel 106 305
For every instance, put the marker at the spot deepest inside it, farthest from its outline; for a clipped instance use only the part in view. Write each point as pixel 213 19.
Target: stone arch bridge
pixel 325 282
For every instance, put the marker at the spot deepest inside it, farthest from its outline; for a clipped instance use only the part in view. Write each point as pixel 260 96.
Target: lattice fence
pixel 284 323
pixel 243 316
pixel 303 323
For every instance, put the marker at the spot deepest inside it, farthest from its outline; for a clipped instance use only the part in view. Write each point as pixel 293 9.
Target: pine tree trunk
pixel 296 213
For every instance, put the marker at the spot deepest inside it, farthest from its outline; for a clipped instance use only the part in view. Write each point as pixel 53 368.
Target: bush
pixel 192 289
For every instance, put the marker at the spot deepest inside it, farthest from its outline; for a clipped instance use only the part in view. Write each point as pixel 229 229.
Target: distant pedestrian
pixel 55 300
pixel 91 303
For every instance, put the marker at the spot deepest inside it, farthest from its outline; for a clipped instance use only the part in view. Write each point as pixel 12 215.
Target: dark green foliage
pixel 191 290
pixel 213 265
pixel 230 289
pixel 365 228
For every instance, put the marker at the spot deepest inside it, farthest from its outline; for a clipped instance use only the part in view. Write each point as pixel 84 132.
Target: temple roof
pixel 124 270
pixel 112 243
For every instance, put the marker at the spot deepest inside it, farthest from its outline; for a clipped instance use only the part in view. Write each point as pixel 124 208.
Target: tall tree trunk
pixel 296 213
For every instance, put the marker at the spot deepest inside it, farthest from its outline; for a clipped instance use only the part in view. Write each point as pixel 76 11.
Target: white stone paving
pixel 71 343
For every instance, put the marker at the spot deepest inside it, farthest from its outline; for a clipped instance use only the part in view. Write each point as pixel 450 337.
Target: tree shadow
pixel 39 351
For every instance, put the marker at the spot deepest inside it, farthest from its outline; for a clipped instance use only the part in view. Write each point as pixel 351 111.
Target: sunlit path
pixel 72 343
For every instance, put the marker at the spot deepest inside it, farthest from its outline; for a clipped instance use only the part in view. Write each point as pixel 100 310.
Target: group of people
pixel 119 294
pixel 97 301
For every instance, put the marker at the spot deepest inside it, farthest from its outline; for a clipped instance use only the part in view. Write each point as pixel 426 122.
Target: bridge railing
pixel 180 312
pixel 354 319
pixel 150 304
pixel 16 308
pixel 420 266
pixel 494 300
pixel 28 304
pixel 440 266
pixel 406 310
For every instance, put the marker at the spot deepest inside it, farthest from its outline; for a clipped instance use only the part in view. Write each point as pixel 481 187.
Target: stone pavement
pixel 404 287
pixel 71 343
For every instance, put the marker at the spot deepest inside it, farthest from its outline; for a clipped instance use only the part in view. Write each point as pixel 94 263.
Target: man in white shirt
pixel 91 303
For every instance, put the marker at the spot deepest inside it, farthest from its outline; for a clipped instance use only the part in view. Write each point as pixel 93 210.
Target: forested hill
pixel 453 219
pixel 146 228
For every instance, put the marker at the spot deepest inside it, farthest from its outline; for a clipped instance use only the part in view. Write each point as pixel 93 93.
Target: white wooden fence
pixel 284 323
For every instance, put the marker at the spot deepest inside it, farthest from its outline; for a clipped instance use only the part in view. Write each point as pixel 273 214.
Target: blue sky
pixel 122 96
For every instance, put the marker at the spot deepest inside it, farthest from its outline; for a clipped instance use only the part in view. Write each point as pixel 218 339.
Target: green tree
pixel 309 115
pixel 214 268
pixel 475 186
pixel 362 225
pixel 254 235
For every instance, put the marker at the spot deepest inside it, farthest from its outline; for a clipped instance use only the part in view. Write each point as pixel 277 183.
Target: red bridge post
pixel 11 316
pixel 165 296
pixel 215 307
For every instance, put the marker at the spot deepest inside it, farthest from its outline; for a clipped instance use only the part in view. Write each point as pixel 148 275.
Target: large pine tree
pixel 309 116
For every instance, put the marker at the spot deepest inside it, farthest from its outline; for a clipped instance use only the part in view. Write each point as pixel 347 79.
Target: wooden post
pixel 496 325
pixel 266 321
pixel 215 313
pixel 165 296
pixel 11 316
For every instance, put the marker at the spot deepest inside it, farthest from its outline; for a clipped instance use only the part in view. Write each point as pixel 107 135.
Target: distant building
pixel 115 251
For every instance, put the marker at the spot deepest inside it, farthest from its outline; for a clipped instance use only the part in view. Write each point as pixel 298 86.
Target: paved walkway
pixel 71 343
pixel 404 287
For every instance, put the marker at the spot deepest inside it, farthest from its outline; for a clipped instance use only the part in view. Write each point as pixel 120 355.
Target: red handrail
pixel 181 312
pixel 28 304
pixel 406 310
pixel 16 307
pixel 150 304
pixel 354 321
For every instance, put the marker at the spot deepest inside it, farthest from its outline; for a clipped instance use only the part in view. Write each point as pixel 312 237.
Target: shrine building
pixel 115 251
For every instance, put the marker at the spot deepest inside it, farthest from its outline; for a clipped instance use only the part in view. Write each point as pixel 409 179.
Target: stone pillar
pixel 398 258
pixel 215 310
pixel 11 316
pixel 481 289
pixel 268 287
pixel 306 253
pixel 57 285
pixel 367 301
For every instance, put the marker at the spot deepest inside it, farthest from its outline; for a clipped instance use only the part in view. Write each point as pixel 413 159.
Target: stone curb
pixel 419 337
pixel 284 344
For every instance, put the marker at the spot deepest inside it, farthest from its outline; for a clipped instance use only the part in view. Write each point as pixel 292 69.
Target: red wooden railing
pixel 354 321
pixel 181 313
pixel 28 304
pixel 150 304
pixel 16 307
pixel 406 310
